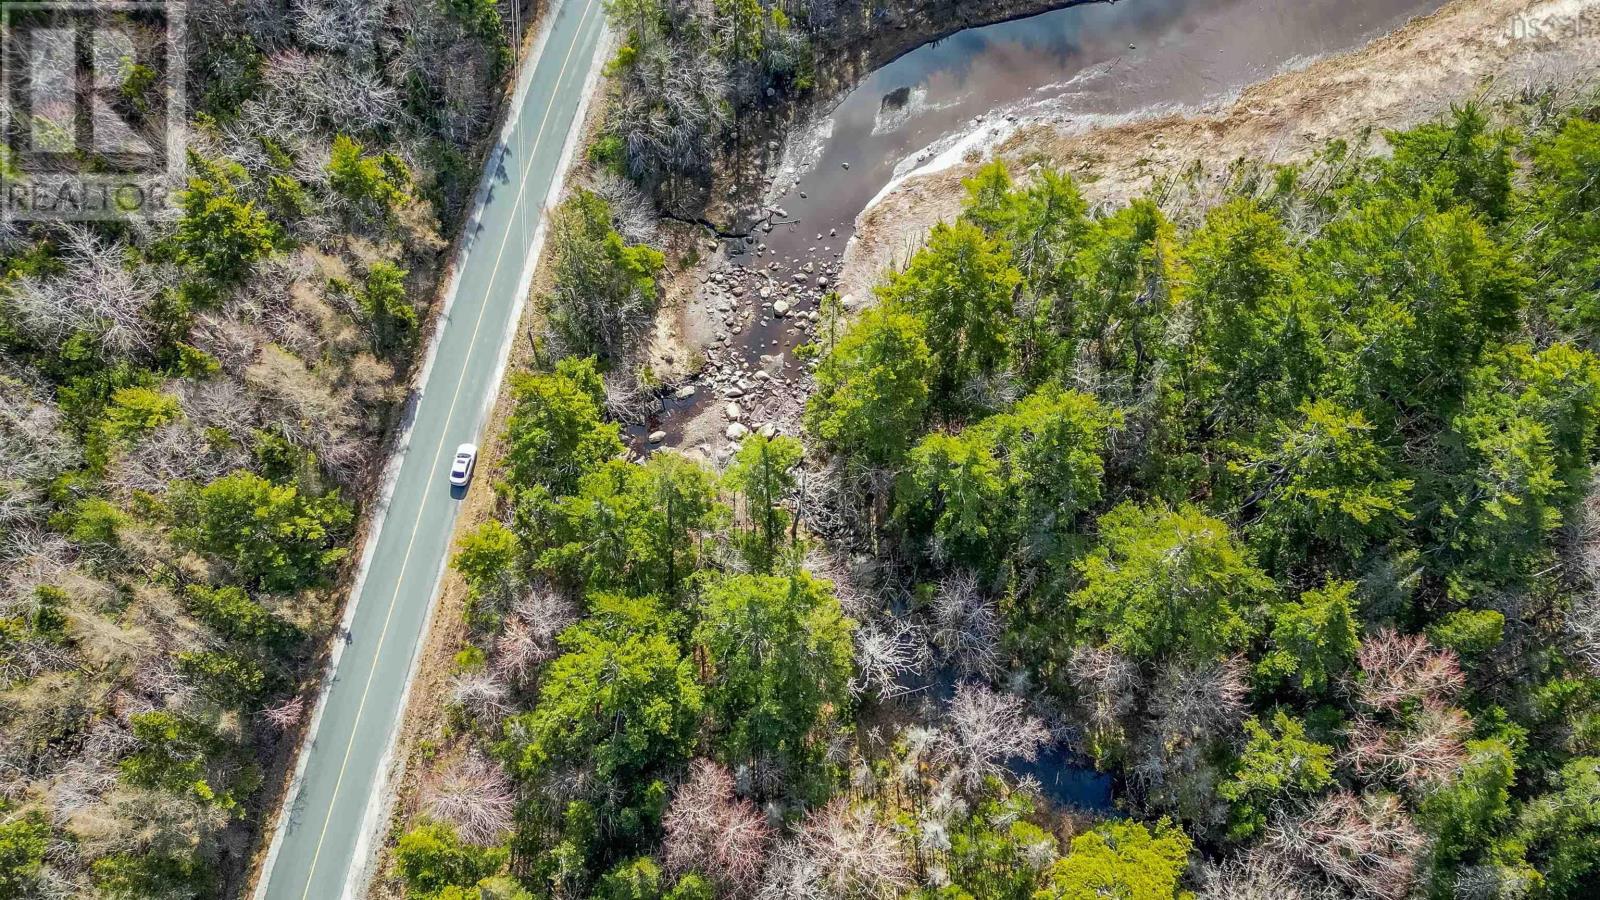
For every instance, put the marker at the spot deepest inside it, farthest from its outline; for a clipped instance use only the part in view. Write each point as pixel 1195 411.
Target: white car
pixel 466 460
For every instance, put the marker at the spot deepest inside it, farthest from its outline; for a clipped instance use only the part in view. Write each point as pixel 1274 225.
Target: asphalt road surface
pixel 322 845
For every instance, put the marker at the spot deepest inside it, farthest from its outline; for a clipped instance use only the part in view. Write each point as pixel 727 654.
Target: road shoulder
pixel 535 36
pixel 423 716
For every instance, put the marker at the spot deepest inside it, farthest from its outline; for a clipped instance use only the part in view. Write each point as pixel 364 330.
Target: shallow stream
pixel 1099 61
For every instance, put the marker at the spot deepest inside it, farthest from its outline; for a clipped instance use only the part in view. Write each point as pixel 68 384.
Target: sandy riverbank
pixel 1486 49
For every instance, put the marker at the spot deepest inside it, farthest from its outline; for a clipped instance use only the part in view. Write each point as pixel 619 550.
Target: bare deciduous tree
pixel 81 783
pixel 529 636
pixel 709 830
pixel 482 694
pixel 30 556
pixel 430 49
pixel 627 401
pixel 1192 706
pixel 1491 882
pixel 1400 668
pixel 174 451
pixel 633 215
pixel 218 403
pixel 1366 843
pixel 966 626
pixel 309 414
pixel 1259 875
pixel 232 341
pixel 337 95
pixel 1429 749
pixel 850 584
pixel 671 110
pixel 888 657
pixel 261 19
pixel 33 444
pixel 64 880
pixel 97 294
pixel 821 506
pixel 341 26
pixel 1582 627
pixel 287 714
pixel 1108 685
pixel 33 450
pixel 29 656
pixel 840 851
pixel 475 795
pixel 517 652
pixel 1583 538
pixel 156 683
pixel 985 730
pixel 1198 701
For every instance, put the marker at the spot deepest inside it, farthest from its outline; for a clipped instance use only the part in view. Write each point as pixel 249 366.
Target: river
pixel 1096 61
pixel 1100 60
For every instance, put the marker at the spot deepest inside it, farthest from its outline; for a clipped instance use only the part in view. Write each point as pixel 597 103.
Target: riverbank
pixel 727 333
pixel 1489 49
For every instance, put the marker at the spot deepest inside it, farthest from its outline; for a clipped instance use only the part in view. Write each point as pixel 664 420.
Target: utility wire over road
pixel 325 836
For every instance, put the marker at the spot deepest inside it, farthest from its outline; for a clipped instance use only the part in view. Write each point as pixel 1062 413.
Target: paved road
pixel 320 848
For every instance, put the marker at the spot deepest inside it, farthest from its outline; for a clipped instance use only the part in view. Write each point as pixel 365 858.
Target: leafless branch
pixel 476 796
pixel 100 293
pixel 987 729
pixel 1397 669
pixel 841 851
pixel 966 626
pixel 1366 843
pixel 710 830
pixel 888 658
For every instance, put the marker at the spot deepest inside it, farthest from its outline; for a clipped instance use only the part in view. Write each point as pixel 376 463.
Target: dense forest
pixel 191 405
pixel 1271 501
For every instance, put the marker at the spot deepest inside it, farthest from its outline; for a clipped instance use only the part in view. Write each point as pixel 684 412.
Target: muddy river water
pixel 1094 62
pixel 1097 61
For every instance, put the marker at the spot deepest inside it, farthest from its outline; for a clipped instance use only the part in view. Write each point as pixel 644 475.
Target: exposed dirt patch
pixel 1488 49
